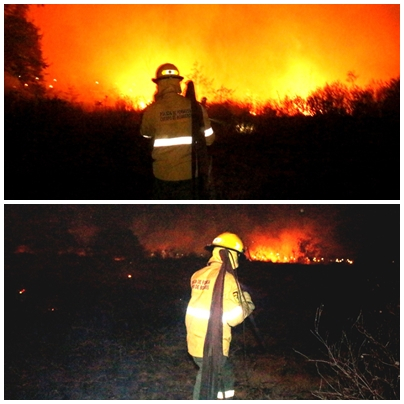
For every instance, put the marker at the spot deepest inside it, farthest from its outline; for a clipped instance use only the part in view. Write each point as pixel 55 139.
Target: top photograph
pixel 202 102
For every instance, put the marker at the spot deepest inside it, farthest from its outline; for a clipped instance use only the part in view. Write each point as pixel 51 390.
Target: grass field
pixel 55 151
pixel 98 334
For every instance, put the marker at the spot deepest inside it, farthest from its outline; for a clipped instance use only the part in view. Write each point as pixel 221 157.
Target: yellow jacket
pixel 198 310
pixel 168 121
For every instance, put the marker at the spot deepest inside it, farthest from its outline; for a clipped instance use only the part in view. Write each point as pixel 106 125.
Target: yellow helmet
pixel 230 241
pixel 167 71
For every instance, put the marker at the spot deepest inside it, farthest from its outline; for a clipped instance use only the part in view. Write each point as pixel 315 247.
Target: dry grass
pixel 130 343
pixel 154 365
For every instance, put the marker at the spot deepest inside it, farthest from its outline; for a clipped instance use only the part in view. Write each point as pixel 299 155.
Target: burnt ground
pixel 90 332
pixel 54 151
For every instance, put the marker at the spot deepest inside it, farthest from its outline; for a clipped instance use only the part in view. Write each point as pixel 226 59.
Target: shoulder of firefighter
pixel 168 123
pixel 235 308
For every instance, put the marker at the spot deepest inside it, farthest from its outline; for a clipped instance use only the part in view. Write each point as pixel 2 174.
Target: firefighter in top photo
pixel 168 123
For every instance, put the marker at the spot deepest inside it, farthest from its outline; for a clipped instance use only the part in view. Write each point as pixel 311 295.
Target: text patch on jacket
pixel 200 284
pixel 174 115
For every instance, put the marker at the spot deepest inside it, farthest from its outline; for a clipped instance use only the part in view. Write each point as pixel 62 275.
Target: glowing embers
pixel 265 254
pixel 343 261
pixel 245 128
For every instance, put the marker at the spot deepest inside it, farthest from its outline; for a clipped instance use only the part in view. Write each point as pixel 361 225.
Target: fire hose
pixel 201 161
pixel 255 329
pixel 257 333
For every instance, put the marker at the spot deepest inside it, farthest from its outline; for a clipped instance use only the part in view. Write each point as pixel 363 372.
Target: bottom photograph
pixel 201 301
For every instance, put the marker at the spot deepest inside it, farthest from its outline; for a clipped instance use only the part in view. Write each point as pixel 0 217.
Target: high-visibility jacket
pixel 168 122
pixel 235 308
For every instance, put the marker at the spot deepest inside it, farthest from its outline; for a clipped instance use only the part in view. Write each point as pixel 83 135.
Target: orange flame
pixel 290 246
pixel 113 50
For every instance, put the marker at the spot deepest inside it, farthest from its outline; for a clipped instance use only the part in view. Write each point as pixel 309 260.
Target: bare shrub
pixel 363 364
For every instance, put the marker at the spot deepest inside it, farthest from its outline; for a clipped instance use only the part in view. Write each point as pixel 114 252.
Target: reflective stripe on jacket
pixel 198 311
pixel 168 121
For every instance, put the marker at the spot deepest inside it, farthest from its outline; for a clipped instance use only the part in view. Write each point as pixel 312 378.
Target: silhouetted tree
pixel 390 98
pixel 22 51
pixel 223 94
pixel 362 102
pixel 201 82
pixel 42 228
pixel 351 77
pixel 332 99
pixel 269 109
pixel 114 241
pixel 293 106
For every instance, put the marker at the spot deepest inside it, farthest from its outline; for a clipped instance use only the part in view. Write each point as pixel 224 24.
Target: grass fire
pixel 310 117
pixel 95 298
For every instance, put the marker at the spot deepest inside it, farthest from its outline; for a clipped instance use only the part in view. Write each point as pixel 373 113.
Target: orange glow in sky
pixel 260 52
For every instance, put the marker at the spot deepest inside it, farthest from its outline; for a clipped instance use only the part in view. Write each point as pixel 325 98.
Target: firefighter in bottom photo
pixel 217 303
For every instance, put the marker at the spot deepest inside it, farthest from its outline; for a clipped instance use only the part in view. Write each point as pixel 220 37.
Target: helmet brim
pixel 210 248
pixel 168 77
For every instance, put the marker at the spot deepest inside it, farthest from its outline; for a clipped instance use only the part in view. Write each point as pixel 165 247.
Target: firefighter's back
pixel 171 119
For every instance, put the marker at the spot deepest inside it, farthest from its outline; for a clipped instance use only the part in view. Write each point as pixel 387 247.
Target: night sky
pixel 352 231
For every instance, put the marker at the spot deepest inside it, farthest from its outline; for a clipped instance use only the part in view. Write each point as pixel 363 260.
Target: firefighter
pixel 167 122
pixel 212 297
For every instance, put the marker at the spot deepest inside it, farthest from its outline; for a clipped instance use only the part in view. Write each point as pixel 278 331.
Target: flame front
pixel 290 246
pixel 110 50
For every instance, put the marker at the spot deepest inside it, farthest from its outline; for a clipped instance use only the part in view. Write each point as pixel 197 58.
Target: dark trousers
pixel 226 375
pixel 172 189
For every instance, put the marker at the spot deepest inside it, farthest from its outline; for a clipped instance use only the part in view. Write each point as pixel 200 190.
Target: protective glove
pixel 247 299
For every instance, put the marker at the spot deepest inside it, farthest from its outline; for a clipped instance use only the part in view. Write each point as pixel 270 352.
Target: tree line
pixel 52 235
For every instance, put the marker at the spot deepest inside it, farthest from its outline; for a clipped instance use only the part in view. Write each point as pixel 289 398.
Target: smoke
pixel 281 229
pixel 259 51
pixel 270 232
